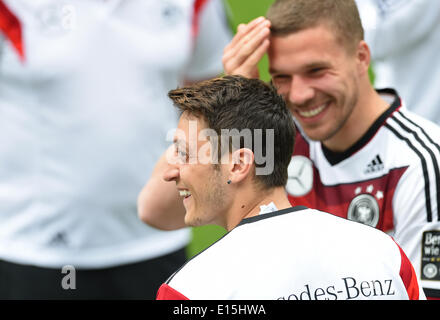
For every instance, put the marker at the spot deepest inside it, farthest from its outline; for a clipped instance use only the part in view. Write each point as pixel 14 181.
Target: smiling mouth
pixel 313 112
pixel 184 193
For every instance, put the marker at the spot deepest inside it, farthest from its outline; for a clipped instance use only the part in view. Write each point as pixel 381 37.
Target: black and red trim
pixel 432 294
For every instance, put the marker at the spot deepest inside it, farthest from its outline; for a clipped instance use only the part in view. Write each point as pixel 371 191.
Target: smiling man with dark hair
pixel 266 253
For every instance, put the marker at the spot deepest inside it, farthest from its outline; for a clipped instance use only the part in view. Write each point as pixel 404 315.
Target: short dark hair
pixel 235 102
pixel 290 16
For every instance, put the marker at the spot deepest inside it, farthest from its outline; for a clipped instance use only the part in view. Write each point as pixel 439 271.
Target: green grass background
pixel 239 11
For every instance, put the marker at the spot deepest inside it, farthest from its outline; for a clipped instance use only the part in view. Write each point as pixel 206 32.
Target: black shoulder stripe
pixel 435 160
pixel 421 129
pixel 424 168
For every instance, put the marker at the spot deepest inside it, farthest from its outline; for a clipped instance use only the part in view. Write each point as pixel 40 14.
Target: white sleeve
pixel 412 229
pixel 395 25
pixel 213 35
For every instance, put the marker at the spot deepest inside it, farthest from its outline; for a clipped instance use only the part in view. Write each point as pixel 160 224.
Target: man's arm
pixel 247 48
pixel 159 203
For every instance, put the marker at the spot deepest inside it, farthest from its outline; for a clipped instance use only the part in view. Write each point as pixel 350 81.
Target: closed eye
pixel 316 71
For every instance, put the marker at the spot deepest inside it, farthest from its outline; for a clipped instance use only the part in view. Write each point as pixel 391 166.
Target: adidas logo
pixel 375 165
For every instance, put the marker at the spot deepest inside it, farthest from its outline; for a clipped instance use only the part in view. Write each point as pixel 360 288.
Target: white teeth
pixel 312 113
pixel 184 193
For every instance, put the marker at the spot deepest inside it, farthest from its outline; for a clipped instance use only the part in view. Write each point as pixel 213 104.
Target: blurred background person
pixel 404 37
pixel 83 118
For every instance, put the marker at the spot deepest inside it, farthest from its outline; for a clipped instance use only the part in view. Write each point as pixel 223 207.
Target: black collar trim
pixel 336 157
pixel 271 215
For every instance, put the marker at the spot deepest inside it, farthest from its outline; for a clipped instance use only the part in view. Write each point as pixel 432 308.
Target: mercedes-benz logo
pixel 300 176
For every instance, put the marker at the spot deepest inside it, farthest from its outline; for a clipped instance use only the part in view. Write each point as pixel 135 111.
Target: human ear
pixel 242 165
pixel 363 58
